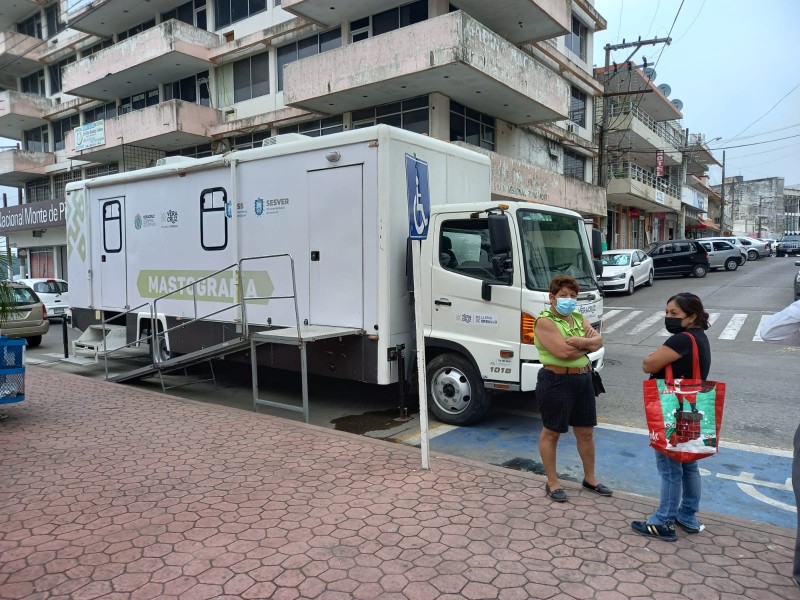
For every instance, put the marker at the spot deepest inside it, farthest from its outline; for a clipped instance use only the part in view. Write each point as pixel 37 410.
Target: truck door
pixel 462 261
pixel 113 264
pixel 335 236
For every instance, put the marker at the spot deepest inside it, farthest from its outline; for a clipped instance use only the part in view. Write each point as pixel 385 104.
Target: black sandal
pixel 557 495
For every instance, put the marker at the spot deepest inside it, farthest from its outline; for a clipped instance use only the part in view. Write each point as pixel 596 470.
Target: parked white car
pixel 53 292
pixel 624 270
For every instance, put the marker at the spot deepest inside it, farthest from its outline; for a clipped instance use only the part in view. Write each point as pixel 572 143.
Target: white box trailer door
pixel 336 272
pixel 112 266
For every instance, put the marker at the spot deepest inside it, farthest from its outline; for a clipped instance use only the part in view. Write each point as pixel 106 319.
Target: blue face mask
pixel 566 306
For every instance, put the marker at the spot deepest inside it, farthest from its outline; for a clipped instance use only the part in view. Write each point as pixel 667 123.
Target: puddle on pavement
pixel 379 420
pixel 532 466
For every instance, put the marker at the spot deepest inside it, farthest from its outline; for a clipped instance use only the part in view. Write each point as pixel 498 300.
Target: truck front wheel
pixel 456 393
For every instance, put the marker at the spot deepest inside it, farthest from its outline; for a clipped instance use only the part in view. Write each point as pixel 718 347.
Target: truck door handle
pixel 314 255
pixel 443 302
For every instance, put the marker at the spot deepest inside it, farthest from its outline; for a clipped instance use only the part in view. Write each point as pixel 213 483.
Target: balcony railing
pixel 632 171
pixel 664 130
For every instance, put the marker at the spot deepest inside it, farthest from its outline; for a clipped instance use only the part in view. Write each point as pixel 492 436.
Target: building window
pixel 123 35
pixel 316 128
pixel 38 190
pixel 53 19
pixel 577 107
pixel 251 77
pixel 101 170
pixel 412 115
pixel 100 113
pixel 34 83
pixel 97 47
pixel 388 20
pixel 201 151
pixel 193 13
pixel 60 129
pixel 578 38
pixel 191 89
pixel 138 101
pixel 31 26
pixel 230 11
pixel 57 73
pixel 574 165
pixel 310 46
pixel 37 139
pixel 471 126
pixel 61 180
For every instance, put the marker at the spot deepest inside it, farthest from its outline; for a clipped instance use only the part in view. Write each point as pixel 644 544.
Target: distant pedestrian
pixel 784 328
pixel 680 482
pixel 564 386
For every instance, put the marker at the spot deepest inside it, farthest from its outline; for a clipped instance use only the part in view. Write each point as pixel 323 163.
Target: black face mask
pixel 673 324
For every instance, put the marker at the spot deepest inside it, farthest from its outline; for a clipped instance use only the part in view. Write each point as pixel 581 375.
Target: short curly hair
pixel 564 281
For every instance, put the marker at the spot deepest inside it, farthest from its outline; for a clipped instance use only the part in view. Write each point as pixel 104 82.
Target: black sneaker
pixel 661 532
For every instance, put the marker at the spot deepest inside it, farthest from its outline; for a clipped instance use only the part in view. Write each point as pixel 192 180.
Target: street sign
pixel 419 197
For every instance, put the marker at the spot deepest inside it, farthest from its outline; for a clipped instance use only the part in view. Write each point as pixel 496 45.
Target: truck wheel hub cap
pixel 451 390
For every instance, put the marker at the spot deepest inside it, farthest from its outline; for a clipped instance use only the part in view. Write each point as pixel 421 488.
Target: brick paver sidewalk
pixel 112 492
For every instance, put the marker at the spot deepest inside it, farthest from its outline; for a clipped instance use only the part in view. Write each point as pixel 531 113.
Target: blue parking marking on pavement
pixel 737 483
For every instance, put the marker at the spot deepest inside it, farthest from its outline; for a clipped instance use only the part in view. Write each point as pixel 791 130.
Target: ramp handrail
pixel 138 340
pixel 245 322
pixel 156 335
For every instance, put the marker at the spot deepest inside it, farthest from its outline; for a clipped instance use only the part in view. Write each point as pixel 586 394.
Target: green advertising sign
pixel 222 287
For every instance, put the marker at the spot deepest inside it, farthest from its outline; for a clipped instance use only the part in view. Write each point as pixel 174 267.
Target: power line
pixel 766 113
pixel 692 23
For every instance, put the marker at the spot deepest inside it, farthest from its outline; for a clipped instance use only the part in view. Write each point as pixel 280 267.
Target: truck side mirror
pixel 597 244
pixel 598 267
pixel 499 234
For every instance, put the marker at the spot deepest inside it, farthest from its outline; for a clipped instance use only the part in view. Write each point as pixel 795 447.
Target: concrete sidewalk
pixel 108 491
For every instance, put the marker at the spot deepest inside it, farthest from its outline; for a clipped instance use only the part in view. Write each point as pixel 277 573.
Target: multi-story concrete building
pixel 758 207
pixel 103 86
pixel 648 160
pixel 791 206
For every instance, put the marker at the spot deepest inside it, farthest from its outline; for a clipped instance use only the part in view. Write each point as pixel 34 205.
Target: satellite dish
pixel 678 104
pixel 665 89
pixel 650 73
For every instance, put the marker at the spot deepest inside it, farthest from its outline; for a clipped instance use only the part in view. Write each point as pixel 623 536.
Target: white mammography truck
pixel 313 232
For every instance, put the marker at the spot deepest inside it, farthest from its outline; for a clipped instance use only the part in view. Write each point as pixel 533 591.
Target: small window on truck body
pixel 214 219
pixel 112 226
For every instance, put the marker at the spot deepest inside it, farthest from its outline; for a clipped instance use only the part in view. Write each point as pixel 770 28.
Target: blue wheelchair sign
pixel 419 197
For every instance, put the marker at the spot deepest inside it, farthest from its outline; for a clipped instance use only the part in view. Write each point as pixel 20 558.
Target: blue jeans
pixel 677 477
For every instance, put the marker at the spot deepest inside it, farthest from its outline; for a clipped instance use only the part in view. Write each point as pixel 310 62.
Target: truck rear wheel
pixel 456 392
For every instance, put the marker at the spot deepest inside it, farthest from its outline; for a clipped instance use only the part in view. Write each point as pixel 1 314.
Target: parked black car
pixel 788 244
pixel 679 257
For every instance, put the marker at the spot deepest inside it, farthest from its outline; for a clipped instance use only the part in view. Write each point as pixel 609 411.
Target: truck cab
pixel 488 277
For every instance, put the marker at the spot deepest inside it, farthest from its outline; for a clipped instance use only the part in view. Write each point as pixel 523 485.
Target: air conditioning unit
pixel 230 115
pixel 572 127
pixel 283 139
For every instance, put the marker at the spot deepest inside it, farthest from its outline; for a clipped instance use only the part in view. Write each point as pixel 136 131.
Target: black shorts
pixel 566 400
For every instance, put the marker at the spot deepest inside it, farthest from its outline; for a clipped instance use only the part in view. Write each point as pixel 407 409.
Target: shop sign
pixel 659 163
pixel 634 213
pixel 90 135
pixel 35 215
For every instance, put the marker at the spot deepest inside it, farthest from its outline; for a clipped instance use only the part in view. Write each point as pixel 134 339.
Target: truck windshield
pixel 554 244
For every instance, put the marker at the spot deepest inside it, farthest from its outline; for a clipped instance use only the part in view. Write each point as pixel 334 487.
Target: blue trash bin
pixel 12 370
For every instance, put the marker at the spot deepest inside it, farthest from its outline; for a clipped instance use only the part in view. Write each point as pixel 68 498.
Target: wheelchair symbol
pixel 747 483
pixel 420 218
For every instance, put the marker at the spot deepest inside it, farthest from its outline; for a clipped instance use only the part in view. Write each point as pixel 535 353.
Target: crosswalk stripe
pixel 610 313
pixel 732 328
pixel 617 324
pixel 712 318
pixel 648 322
pixel 757 336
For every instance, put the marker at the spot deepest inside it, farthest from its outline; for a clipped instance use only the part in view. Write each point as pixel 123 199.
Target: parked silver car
pixel 755 248
pixel 734 241
pixel 722 254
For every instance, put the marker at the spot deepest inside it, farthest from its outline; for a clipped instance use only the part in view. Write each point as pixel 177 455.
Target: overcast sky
pixel 735 64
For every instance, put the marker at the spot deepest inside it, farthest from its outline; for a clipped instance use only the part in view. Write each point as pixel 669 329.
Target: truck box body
pixel 338 205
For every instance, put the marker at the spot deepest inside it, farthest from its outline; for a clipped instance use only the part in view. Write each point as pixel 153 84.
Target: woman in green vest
pixel 564 386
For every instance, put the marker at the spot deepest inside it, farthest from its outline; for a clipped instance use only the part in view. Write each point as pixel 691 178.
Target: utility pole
pixel 760 198
pixel 722 199
pixel 8 245
pixel 602 154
